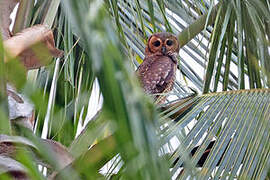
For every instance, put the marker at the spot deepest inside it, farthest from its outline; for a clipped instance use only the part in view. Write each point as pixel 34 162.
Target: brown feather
pixel 157 72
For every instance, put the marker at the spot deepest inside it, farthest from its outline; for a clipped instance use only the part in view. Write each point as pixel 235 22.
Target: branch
pixel 179 108
pixel 195 28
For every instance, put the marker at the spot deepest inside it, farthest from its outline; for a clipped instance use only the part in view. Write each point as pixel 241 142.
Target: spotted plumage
pixel 157 72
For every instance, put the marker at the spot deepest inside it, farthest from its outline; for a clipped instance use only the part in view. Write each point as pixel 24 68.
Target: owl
pixel 157 72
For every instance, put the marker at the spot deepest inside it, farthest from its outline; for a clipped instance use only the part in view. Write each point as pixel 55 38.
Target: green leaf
pixel 243 117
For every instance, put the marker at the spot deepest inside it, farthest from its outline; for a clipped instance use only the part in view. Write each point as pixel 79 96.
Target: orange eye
pixel 156 43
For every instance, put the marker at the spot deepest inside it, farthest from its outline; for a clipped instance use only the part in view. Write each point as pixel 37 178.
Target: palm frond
pixel 138 23
pixel 238 124
pixel 124 105
pixel 251 41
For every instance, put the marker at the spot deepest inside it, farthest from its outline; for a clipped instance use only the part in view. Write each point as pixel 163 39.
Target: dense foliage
pixel 91 102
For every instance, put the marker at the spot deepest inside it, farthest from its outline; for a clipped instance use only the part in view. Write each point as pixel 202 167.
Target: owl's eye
pixel 156 43
pixel 169 42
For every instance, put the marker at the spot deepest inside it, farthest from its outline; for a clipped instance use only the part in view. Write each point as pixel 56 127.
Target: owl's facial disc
pixel 170 45
pixel 167 46
pixel 162 44
pixel 169 42
pixel 154 45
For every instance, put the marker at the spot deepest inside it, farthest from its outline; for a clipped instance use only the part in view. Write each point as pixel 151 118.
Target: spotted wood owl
pixel 157 72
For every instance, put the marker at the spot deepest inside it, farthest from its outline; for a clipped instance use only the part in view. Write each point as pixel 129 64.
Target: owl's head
pixel 162 44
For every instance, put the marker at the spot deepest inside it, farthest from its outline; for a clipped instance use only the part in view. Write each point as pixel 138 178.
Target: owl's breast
pixel 157 74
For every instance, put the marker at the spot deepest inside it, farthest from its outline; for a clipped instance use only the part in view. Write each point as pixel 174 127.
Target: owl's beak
pixel 163 50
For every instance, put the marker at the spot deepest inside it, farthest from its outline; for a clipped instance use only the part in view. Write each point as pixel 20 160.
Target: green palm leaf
pixel 238 122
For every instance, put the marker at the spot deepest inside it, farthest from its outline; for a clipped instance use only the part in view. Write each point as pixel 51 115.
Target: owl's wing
pixel 157 74
pixel 144 66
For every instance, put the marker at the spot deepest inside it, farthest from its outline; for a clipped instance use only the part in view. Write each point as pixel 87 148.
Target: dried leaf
pixel 15 96
pixel 21 111
pixel 7 149
pixel 34 45
pixel 6 8
pixel 13 168
pixel 16 139
pixel 9 144
pixel 63 157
